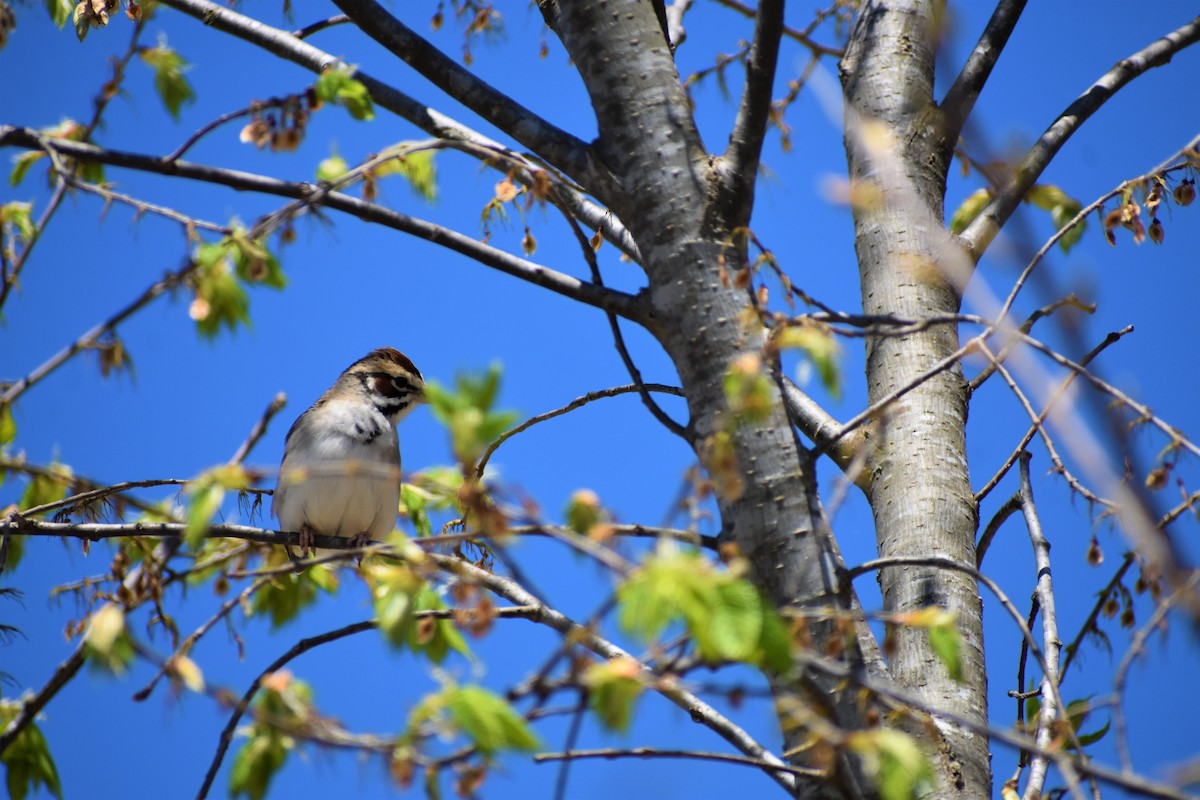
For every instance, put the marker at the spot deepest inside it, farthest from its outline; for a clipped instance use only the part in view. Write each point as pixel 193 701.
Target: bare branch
pixel 654 752
pixel 1136 648
pixel 1040 419
pixel 804 37
pixel 625 305
pixel 291 48
pixel 559 147
pixel 980 233
pixel 823 430
pixel 260 428
pixel 961 97
pixel 578 402
pixel 740 165
pixel 1051 707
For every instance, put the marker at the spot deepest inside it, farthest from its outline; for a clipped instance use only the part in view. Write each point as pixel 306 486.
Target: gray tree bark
pixel 919 487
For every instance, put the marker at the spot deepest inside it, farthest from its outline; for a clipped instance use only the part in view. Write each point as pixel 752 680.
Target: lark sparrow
pixel 340 474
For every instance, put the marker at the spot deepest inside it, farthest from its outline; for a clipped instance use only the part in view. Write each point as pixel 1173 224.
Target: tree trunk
pixel 681 206
pixel 919 487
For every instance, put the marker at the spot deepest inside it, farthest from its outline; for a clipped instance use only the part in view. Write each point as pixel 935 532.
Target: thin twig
pixel 571 406
pixel 1136 647
pixel 1051 706
pixel 654 752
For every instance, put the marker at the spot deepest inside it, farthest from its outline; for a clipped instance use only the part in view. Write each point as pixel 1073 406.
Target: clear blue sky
pixel 353 287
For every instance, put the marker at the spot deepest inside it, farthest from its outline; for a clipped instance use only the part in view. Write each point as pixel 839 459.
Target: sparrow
pixel 340 474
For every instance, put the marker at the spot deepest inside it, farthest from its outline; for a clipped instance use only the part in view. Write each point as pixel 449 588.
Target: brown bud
pixel 1185 192
pixel 1095 555
pixel 1156 231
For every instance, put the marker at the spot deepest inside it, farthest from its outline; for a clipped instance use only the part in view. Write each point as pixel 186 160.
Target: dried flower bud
pixel 1156 231
pixel 1185 192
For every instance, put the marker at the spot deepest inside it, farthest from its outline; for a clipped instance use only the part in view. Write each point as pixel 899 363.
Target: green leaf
pixel 946 643
pixel 895 760
pixel 941 626
pixel 393 590
pixel 21 164
pixel 256 763
pixel 27 760
pixel 254 263
pixel 489 721
pixel 8 426
pixel 613 689
pixel 734 624
pixel 337 86
pixel 822 350
pixel 220 299
pixel 206 492
pixel 966 213
pixel 414 502
pixel 108 644
pixel 332 168
pixel 1048 197
pixel 583 511
pixel 435 640
pixel 60 11
pixel 418 169
pixel 1063 208
pixel 18 214
pixel 725 615
pixel 467 412
pixel 287 595
pixel 46 488
pixel 749 390
pixel 169 81
pixel 1061 216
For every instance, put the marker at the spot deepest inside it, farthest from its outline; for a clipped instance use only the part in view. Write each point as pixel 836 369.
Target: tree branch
pixel 653 752
pixel 741 160
pixel 555 145
pixel 578 402
pixel 619 303
pixel 980 233
pixel 696 708
pixel 1051 707
pixel 960 99
pixel 290 48
pixel 823 430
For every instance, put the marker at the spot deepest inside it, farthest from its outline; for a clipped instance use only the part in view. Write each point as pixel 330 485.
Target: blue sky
pixel 353 287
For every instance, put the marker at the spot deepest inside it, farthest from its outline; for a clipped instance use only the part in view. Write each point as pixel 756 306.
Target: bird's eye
pixel 391 385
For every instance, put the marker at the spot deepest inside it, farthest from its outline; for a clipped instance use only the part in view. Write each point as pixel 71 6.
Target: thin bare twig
pixel 571 406
pixel 1051 707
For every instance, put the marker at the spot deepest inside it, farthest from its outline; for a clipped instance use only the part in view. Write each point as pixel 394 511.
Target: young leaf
pixel 416 167
pixel 8 426
pixel 900 769
pixel 21 164
pixel 614 687
pixel 256 763
pixel 393 589
pixel 489 721
pixel 169 81
pixel 18 215
pixel 27 761
pixel 287 595
pixel 332 168
pixel 108 643
pixel 966 213
pixel 205 493
pixel 822 350
pixel 60 11
pixel 337 86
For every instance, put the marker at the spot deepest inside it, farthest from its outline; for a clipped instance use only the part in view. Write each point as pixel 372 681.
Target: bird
pixel 340 474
